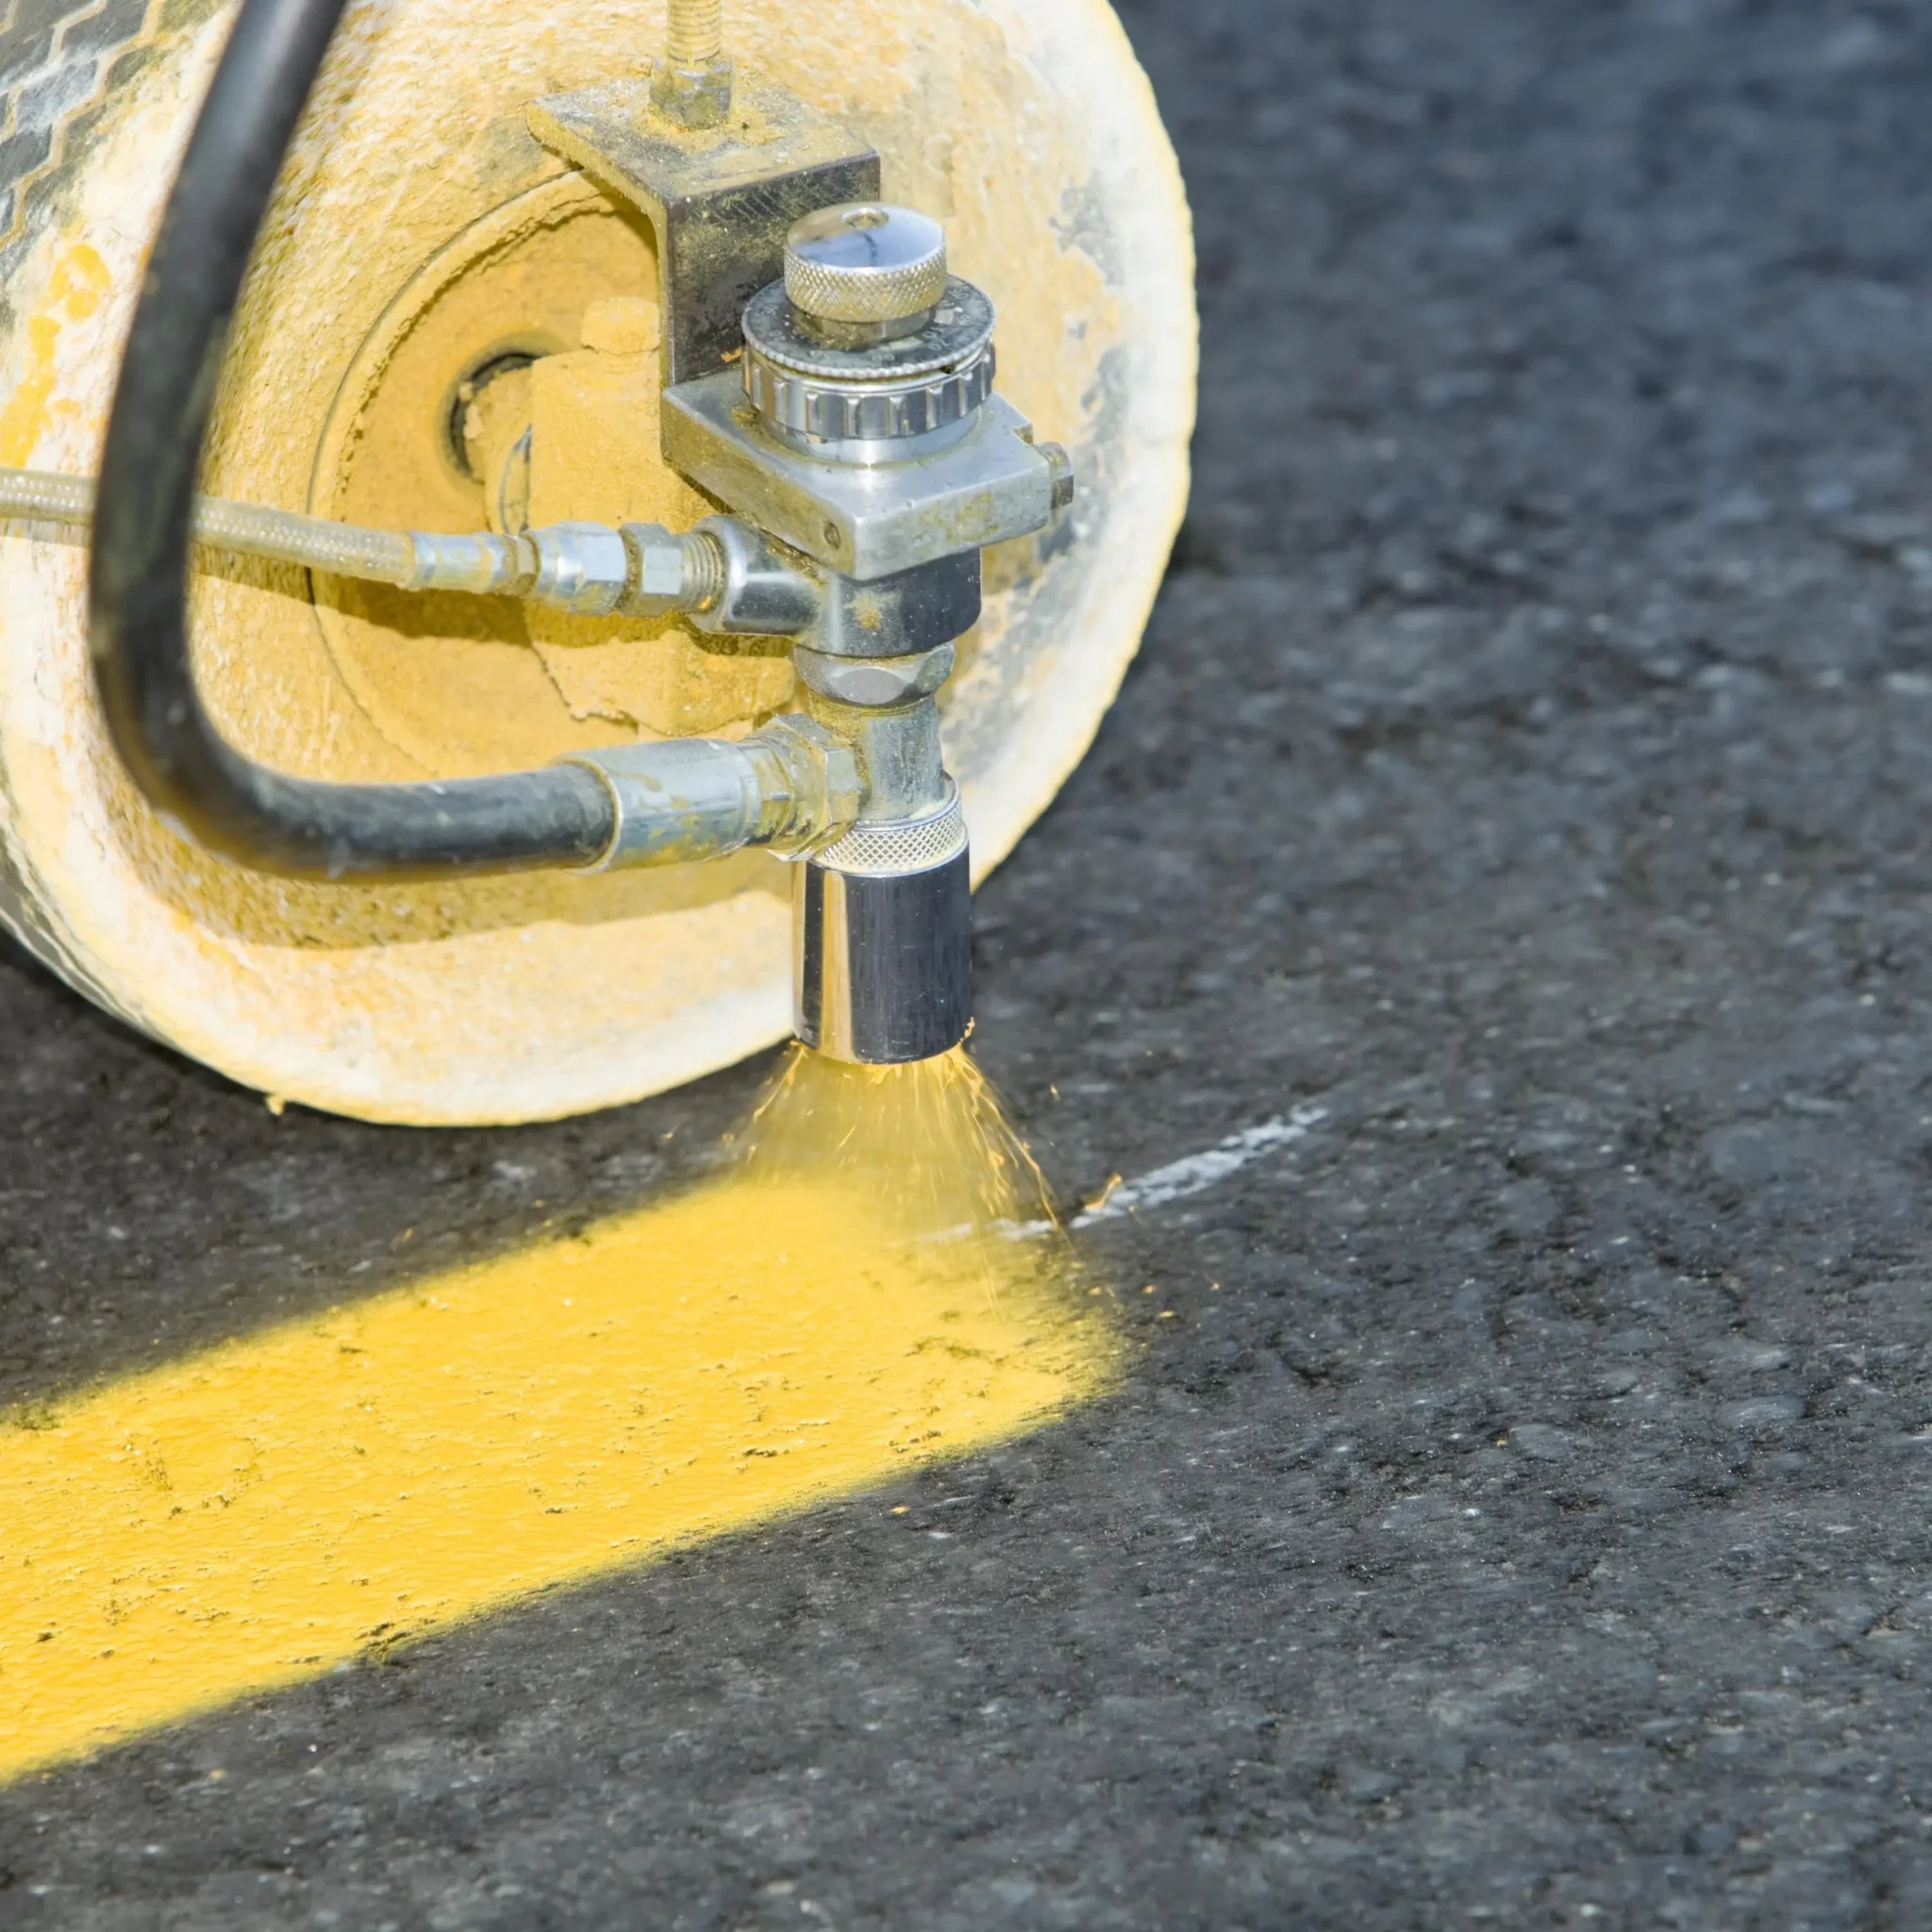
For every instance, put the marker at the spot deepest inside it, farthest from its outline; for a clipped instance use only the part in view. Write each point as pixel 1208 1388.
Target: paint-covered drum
pixel 421 236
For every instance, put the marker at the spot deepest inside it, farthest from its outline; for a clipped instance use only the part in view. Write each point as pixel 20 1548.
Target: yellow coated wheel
pixel 430 283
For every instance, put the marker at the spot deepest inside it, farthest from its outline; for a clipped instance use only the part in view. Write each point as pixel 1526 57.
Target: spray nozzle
pixel 882 941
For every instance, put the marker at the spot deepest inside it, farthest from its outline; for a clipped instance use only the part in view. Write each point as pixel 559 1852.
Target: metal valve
pixel 851 421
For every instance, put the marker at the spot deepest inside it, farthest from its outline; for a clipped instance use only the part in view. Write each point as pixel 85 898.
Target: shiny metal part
pixel 883 941
pixel 728 576
pixel 638 570
pixel 791 787
pixel 897 746
pixel 762 591
pixel 694 97
pixel 874 682
pixel 911 610
pixel 868 523
pixel 865 273
pixel 670 572
pixel 889 848
pixel 848 403
pixel 484 563
pixel 883 915
pixel 692 84
pixel 720 210
pixel 822 782
pixel 582 568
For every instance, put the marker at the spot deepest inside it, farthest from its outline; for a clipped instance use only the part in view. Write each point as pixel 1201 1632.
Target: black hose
pixel 138 577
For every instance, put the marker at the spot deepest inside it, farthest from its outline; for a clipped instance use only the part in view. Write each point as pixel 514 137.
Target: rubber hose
pixel 144 522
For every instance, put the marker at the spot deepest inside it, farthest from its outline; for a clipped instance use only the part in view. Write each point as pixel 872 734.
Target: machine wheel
pixel 427 265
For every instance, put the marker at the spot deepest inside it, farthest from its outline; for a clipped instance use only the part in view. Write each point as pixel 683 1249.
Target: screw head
pixel 866 262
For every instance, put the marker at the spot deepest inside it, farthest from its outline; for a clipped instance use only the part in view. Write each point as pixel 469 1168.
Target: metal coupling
pixel 484 564
pixel 874 683
pixel 882 940
pixel 725 574
pixel 762 589
pixel 669 572
pixel 639 570
pixel 791 787
pixel 818 776
pixel 582 568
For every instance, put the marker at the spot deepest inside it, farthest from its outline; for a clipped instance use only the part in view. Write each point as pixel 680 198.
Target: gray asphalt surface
pixel 1531 761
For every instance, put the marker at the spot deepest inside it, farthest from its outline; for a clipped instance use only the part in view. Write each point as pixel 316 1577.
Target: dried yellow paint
pixel 74 293
pixel 283 1502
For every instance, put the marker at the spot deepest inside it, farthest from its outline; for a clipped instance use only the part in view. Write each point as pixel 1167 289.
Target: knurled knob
pixel 866 263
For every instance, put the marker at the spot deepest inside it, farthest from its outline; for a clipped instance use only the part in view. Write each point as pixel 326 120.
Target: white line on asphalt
pixel 1197 1172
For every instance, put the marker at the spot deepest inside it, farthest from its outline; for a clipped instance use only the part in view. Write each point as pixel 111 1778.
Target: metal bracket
pixel 721 203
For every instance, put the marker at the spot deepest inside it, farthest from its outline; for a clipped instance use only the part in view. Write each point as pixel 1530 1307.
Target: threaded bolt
pixel 695 35
pixel 704 570
pixel 693 85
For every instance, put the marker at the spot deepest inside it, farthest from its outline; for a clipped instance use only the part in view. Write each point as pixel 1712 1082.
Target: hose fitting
pixel 791 787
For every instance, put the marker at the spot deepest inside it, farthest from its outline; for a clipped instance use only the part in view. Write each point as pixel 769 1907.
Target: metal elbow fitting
pixel 788 788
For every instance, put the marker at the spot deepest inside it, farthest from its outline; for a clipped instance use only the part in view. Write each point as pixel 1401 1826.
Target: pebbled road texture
pixel 1531 761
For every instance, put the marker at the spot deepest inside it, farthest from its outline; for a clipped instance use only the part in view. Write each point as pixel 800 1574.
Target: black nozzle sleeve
pixel 138 569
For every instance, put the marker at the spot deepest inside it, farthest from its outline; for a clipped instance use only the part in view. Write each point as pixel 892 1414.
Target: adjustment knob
pixel 865 273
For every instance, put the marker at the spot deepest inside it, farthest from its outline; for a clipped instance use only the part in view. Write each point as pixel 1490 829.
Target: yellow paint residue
pixel 280 1504
pixel 74 293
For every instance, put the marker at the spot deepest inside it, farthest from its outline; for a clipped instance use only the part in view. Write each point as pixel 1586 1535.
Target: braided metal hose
pixel 552 566
pixel 247 529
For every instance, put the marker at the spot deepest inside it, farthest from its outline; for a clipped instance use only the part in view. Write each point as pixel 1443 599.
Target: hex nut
pixel 581 567
pixel 820 781
pixel 697 96
pixel 875 683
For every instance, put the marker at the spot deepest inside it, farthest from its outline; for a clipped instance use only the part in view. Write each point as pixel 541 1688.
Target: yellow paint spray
pixel 275 1505
pixel 931 1142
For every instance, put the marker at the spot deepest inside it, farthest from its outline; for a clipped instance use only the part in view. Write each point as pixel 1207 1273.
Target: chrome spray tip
pixel 882 941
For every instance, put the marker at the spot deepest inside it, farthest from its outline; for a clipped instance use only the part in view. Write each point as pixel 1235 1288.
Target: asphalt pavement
pixel 1529 766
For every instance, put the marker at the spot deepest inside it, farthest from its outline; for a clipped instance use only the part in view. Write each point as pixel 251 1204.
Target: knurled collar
pixel 866 262
pixel 884 393
pixel 896 849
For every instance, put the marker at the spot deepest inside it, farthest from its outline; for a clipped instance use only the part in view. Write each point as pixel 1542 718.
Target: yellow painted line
pixel 259 1514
